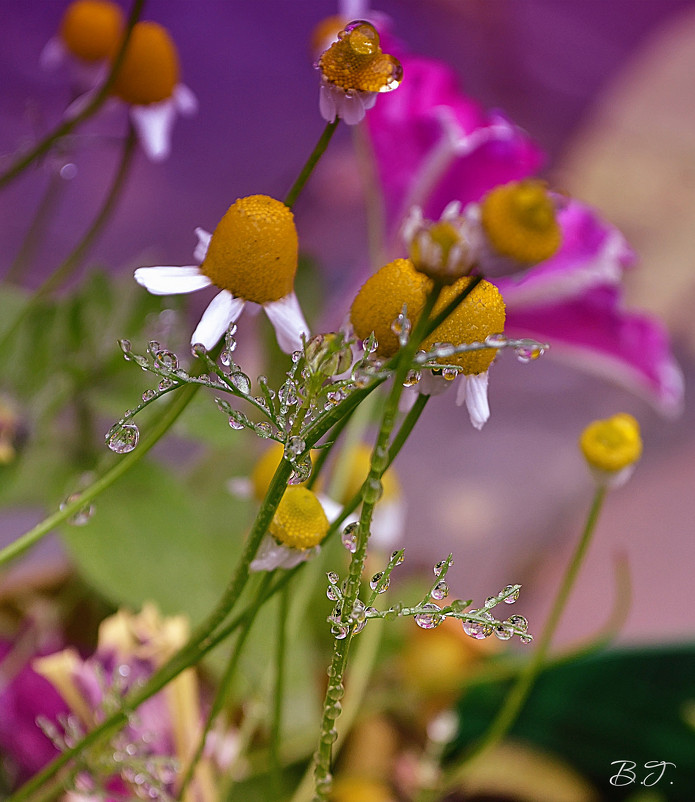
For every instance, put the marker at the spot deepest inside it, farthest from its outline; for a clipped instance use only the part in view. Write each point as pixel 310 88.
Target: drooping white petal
pixel 171 280
pixel 53 54
pixel 154 124
pixel 201 249
pixel 222 311
pixel 272 555
pixel 475 396
pixel 327 102
pixel 288 322
pixel 185 100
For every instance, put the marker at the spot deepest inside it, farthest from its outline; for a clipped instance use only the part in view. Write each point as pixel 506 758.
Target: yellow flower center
pixel 150 68
pixel 520 222
pixel 299 521
pixel 357 461
pixel 481 314
pixel 253 252
pixel 380 301
pixel 90 29
pixel 356 62
pixel 612 444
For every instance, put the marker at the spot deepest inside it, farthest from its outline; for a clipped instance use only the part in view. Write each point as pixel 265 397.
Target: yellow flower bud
pixel 150 68
pixel 612 445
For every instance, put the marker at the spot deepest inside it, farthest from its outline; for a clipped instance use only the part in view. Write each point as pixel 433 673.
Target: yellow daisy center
pixel 481 314
pixel 253 252
pixel 612 444
pixel 356 62
pixel 91 28
pixel 357 461
pixel 520 222
pixel 380 301
pixel 150 68
pixel 299 521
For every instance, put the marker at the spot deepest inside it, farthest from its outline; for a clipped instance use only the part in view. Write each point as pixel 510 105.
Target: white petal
pixel 330 507
pixel 154 124
pixel 327 103
pixel 388 524
pixel 430 384
pixel 288 322
pixel 170 280
pixel 201 249
pixel 222 311
pixel 185 100
pixel 53 54
pixel 476 399
pixel 272 555
pixel 352 108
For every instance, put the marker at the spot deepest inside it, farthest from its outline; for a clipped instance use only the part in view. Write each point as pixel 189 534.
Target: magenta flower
pixel 433 146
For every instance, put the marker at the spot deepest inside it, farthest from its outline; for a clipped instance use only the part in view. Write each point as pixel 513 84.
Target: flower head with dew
pixel 148 752
pixel 481 314
pixel 148 80
pixel 88 32
pixel 251 257
pixel 612 448
pixel 354 70
pixel 295 533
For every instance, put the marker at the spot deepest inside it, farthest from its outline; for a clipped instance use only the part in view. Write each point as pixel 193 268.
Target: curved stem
pixel 308 168
pixel 519 693
pixel 278 695
pixel 22 162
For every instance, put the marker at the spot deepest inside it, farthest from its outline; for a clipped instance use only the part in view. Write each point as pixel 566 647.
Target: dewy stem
pixel 519 693
pixel 311 162
pixel 22 162
pixel 371 493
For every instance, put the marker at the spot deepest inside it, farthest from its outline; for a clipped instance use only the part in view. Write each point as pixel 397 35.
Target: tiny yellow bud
pixel 90 29
pixel 481 314
pixel 299 521
pixel 356 63
pixel 254 249
pixel 150 68
pixel 380 301
pixel 613 444
pixel 520 222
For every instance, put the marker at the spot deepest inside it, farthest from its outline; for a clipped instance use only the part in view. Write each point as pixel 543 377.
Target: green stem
pixel 279 695
pixel 308 168
pixel 519 693
pixel 161 426
pixel 22 162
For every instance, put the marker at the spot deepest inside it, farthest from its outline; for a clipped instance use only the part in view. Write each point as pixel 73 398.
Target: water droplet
pixel 287 394
pixel 166 360
pixel 449 374
pixel 377 579
pixel 359 626
pixel 241 381
pixel 439 567
pixel 503 632
pixel 296 356
pixel 440 591
pixel 412 378
pixel 496 340
pixel 263 429
pixel 429 618
pixel 373 490
pixel 153 346
pixel 198 350
pixel 444 350
pixel 124 438
pixel 332 577
pixel 349 537
pixel 518 621
pixel 397 557
pixel 165 384
pixel 332 593
pixel 235 422
pixel 491 601
pixel 370 344
pixel 401 327
pixel 477 629
pixel 68 171
pixel 148 395
pixel 226 357
pixel 82 516
pixel 514 594
pixel 294 447
pixel 527 353
pixel 302 471
pixel 525 638
pixel 340 631
pixel 125 346
pixel 333 711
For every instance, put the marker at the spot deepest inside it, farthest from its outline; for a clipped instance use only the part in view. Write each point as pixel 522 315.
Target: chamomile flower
pixel 250 257
pixel 479 316
pixel 295 533
pixel 612 448
pixel 354 70
pixel 89 30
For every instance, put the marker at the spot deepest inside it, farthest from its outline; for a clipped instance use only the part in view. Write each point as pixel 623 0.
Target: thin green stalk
pixel 379 461
pixel 159 428
pixel 23 161
pixel 279 694
pixel 440 317
pixel 311 162
pixel 519 693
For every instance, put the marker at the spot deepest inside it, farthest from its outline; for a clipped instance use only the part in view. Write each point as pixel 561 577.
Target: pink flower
pixel 433 145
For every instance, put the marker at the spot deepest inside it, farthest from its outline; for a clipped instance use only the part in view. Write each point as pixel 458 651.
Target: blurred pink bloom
pixel 433 145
